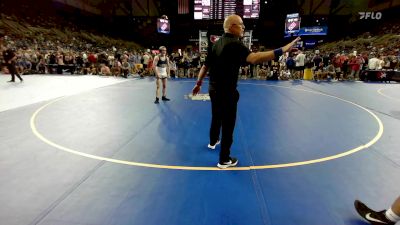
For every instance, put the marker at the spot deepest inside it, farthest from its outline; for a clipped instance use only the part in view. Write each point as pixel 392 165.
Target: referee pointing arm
pixel 223 62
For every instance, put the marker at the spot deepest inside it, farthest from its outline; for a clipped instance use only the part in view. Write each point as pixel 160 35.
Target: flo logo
pixel 370 15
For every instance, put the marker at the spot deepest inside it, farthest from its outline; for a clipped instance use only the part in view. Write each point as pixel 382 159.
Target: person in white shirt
pixel 300 59
pixel 162 69
pixel 373 63
pixel 381 62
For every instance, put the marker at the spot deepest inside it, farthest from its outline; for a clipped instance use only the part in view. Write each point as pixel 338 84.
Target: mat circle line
pixel 380 91
pixel 176 167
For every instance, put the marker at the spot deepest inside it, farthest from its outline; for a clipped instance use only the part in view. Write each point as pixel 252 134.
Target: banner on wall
pixel 292 24
pixel 204 39
pixel 308 31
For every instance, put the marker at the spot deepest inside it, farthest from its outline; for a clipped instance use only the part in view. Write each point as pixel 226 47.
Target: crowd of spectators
pixel 40 56
pixel 55 51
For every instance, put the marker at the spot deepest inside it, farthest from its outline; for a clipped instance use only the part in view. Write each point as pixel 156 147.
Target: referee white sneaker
pixel 213 146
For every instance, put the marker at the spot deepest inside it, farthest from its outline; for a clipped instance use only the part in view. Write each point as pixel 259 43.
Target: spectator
pixel 126 67
pixel 374 62
pixel 300 63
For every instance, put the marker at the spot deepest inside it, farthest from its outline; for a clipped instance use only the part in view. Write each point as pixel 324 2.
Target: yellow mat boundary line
pixel 380 91
pixel 174 167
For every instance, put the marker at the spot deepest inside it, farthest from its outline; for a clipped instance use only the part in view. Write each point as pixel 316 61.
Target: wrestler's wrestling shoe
pixel 375 218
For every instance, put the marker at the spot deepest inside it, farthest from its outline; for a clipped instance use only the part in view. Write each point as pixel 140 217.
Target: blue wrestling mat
pixel 306 151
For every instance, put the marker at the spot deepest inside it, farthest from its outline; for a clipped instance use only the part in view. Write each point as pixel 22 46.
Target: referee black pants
pixel 223 107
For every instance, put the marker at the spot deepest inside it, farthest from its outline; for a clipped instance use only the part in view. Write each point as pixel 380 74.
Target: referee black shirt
pixel 224 61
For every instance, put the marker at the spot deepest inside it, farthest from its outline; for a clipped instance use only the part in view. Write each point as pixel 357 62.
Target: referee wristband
pixel 278 52
pixel 199 82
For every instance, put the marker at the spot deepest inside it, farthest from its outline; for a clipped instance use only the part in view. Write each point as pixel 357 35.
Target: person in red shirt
pixel 92 58
pixel 355 66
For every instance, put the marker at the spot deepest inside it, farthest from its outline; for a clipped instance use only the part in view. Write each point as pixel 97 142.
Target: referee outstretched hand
pixel 289 47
